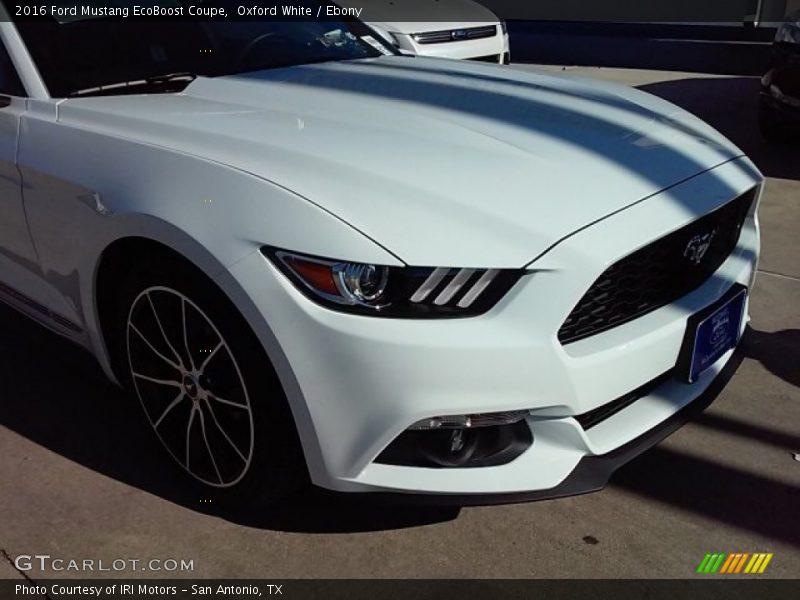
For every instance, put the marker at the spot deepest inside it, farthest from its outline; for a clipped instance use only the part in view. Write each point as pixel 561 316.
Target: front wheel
pixel 207 388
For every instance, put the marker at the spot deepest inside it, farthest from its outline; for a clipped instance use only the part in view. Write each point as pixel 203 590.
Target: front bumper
pixel 355 383
pixel 592 473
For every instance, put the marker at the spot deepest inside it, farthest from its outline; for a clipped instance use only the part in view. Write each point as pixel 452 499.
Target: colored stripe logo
pixel 735 563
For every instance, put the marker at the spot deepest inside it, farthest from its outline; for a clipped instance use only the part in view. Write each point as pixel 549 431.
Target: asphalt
pixel 83 479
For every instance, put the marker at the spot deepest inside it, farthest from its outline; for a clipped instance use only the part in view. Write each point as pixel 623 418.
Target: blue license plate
pixel 716 334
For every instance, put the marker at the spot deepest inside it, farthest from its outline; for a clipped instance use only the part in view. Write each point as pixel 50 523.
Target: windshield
pixel 87 51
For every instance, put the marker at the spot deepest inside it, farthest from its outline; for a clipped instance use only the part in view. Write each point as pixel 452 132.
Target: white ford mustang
pixel 393 273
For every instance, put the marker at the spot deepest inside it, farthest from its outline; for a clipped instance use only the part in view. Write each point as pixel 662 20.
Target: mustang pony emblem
pixel 698 246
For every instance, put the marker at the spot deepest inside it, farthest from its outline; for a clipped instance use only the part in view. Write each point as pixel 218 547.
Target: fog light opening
pixel 479 440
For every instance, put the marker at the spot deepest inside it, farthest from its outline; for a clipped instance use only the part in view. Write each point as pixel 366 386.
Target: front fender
pixel 84 190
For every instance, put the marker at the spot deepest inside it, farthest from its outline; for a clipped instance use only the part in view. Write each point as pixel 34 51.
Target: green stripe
pixel 702 566
pixel 711 563
pixel 718 564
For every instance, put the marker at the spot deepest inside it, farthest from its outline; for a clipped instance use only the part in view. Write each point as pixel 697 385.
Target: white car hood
pixel 442 162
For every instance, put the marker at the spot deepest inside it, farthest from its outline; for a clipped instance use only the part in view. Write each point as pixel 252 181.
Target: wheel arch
pixel 112 269
pixel 125 252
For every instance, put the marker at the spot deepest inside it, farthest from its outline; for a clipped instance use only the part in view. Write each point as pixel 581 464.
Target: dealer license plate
pixel 716 334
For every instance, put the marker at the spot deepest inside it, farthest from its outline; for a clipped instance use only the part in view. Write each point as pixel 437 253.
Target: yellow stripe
pixel 728 560
pixel 765 563
pixel 753 562
pixel 741 562
pixel 756 566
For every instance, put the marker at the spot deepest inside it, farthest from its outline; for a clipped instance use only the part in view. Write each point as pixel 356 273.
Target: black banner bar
pixel 732 588
pixel 716 12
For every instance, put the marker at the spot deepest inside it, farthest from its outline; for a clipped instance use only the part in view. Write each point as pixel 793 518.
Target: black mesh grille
pixel 659 273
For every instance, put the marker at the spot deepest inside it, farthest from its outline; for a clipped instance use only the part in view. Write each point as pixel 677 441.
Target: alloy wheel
pixel 190 386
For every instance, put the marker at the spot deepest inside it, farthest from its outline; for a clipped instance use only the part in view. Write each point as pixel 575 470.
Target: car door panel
pixel 23 283
pixel 18 262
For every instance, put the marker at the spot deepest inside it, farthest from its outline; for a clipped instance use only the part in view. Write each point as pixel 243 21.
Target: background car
pixel 456 29
pixel 779 106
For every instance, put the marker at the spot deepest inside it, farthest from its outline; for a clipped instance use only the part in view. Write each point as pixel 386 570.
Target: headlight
pixel 400 292
pixel 789 32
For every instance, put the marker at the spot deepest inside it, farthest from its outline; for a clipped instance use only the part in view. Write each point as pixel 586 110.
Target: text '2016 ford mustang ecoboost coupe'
pixel 302 252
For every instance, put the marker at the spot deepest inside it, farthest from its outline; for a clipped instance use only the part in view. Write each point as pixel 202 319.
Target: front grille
pixel 659 273
pixel 455 35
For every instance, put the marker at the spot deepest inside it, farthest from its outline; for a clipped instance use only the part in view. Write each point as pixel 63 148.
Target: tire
pixel 206 387
pixel 774 129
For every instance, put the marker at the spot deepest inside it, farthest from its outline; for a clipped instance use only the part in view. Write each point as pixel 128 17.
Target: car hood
pixel 441 162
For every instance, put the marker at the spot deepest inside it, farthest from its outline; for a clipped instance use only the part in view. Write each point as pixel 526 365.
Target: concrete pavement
pixel 82 478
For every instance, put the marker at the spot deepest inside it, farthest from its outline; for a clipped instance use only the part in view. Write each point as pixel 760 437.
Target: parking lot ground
pixel 82 478
pixel 7 570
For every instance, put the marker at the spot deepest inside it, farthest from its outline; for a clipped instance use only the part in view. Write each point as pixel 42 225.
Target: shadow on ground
pixel 719 492
pixel 730 104
pixel 55 395
pixel 702 485
pixel 778 352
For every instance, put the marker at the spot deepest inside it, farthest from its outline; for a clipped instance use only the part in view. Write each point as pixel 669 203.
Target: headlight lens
pixel 400 292
pixel 362 284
